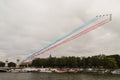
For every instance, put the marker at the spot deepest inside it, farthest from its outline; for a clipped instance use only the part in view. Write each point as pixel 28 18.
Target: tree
pixel 61 62
pixel 11 64
pixel 83 62
pixel 36 62
pixel 117 58
pixel 72 62
pixel 98 61
pixel 110 63
pixel 78 62
pixel 50 62
pixel 2 64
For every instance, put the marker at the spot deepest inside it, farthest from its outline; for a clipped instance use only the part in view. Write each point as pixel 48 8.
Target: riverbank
pixel 62 70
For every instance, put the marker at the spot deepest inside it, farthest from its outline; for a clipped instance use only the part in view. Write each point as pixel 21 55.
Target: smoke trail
pixel 75 36
pixel 66 36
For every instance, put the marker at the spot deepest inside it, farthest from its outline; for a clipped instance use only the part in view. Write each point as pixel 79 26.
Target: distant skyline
pixel 28 25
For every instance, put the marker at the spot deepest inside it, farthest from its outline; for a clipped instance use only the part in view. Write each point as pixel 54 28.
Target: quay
pixel 59 70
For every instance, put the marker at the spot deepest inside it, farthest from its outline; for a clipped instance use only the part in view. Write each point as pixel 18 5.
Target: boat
pixel 59 71
pixel 46 70
pixel 116 71
pixel 15 70
pixel 72 71
pixel 3 70
pixel 29 70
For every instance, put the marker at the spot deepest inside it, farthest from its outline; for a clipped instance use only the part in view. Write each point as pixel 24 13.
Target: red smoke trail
pixel 77 35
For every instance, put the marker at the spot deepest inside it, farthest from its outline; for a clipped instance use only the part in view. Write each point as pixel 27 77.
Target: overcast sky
pixel 28 25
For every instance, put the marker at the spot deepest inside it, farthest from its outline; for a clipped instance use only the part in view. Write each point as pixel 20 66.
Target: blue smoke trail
pixel 72 32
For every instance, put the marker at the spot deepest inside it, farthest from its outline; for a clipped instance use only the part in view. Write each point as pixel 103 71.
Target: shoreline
pixel 61 70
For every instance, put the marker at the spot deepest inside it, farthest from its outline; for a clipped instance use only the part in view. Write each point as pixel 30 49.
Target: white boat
pixel 116 71
pixel 59 71
pixel 30 70
pixel 15 70
pixel 47 70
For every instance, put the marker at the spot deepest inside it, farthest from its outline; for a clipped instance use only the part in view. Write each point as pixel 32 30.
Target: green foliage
pixel 36 62
pixel 117 59
pixel 99 61
pixel 72 62
pixel 11 64
pixel 110 63
pixel 2 64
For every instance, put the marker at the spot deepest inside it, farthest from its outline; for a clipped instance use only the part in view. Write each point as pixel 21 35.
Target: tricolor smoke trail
pixel 75 36
pixel 69 34
pixel 72 35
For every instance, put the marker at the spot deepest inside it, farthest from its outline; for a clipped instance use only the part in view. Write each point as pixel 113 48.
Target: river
pixel 54 76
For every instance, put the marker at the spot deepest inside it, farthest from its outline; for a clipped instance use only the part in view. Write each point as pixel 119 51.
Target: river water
pixel 55 76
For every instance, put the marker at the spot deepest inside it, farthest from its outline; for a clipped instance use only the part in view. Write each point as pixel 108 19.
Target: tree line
pixel 98 61
pixel 10 64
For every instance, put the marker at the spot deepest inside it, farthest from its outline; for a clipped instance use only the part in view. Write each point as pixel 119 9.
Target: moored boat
pixel 46 70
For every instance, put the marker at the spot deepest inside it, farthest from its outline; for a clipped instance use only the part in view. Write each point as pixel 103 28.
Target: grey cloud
pixel 28 25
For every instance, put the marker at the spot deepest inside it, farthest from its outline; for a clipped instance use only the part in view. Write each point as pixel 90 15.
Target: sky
pixel 28 25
